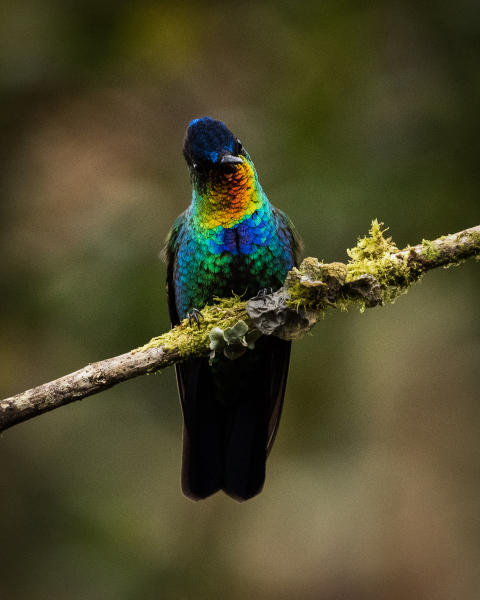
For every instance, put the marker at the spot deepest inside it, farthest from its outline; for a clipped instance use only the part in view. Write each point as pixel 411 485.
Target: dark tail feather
pixel 246 449
pixel 231 417
pixel 202 461
pixel 255 418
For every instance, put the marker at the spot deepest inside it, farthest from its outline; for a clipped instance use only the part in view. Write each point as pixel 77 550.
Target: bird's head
pixel 225 184
pixel 212 151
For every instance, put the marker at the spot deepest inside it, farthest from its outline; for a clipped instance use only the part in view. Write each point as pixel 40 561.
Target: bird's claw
pixel 263 293
pixel 195 316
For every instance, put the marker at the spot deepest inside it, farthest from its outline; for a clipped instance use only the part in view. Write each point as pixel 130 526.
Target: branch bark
pixel 377 273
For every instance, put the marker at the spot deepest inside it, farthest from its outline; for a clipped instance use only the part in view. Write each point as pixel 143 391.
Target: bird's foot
pixel 195 316
pixel 262 293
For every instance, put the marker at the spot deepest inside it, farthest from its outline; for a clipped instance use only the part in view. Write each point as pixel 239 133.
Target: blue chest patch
pixel 244 238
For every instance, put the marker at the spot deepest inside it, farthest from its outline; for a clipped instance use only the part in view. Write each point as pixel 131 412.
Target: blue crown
pixel 207 139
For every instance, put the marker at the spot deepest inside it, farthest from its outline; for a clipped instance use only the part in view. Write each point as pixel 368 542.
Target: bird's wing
pixel 279 349
pixel 169 254
pixel 202 467
pixel 279 360
pixel 289 233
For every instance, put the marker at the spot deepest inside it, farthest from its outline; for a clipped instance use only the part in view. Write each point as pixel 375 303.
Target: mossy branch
pixel 377 273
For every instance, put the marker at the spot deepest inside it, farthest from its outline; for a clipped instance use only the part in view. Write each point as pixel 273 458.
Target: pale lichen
pixel 233 341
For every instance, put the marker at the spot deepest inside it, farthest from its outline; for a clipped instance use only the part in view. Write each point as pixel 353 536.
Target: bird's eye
pixel 198 167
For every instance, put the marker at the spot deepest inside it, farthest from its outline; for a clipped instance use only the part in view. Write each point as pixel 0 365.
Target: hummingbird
pixel 229 241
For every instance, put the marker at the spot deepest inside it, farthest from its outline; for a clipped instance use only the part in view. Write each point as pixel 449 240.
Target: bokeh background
pixel 351 111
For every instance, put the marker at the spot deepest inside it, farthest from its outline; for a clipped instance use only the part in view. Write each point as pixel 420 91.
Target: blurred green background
pixel 351 111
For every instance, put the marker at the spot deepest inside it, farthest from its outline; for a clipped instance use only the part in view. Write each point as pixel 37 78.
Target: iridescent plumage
pixel 230 240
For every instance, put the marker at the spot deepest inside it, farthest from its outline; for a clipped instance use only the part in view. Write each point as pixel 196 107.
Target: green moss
pixel 307 297
pixel 430 250
pixel 193 340
pixel 315 285
pixel 474 238
pixel 373 246
pixel 319 286
pixel 469 244
pixel 375 255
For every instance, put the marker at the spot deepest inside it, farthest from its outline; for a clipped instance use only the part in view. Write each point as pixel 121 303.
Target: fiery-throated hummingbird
pixel 230 240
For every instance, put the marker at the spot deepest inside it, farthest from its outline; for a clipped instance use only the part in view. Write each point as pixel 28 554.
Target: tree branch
pixel 377 273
